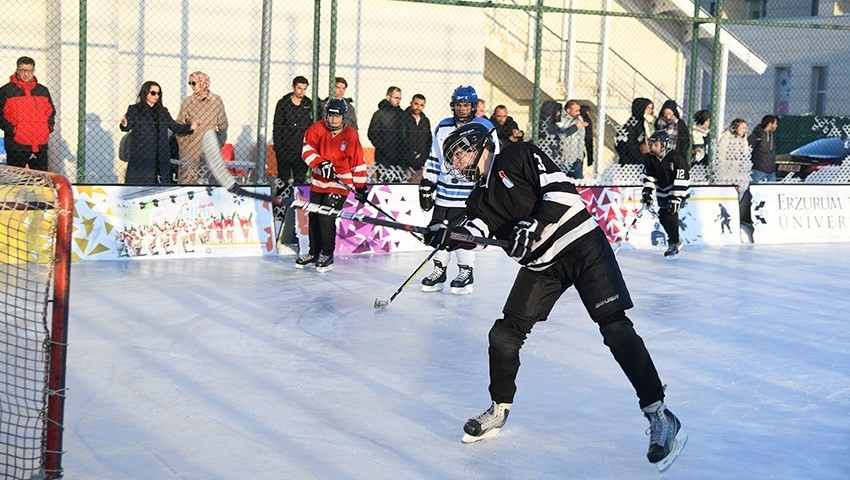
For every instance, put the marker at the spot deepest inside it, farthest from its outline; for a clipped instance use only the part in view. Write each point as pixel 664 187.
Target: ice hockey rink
pixel 245 368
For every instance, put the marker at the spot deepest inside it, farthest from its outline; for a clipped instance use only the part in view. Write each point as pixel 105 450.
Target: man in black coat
pixel 387 131
pixel 419 133
pixel 293 115
pixel 504 123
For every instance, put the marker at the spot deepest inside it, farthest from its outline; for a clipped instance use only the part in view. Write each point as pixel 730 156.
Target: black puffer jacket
pixel 631 134
pixel 388 134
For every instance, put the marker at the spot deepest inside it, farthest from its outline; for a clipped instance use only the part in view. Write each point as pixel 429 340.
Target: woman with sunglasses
pixel 207 109
pixel 148 121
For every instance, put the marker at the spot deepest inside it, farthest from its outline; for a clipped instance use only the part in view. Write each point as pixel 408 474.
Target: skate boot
pixel 435 281
pixel 325 263
pixel 462 284
pixel 673 250
pixel 306 261
pixel 666 439
pixel 487 424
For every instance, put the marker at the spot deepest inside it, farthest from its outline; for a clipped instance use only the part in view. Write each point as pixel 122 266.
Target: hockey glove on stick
pixel 326 170
pixel 426 194
pixel 526 231
pixel 438 235
pixel 674 205
pixel 361 194
pixel 468 228
pixel 646 197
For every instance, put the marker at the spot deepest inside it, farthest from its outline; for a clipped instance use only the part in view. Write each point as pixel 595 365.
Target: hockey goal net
pixel 36 210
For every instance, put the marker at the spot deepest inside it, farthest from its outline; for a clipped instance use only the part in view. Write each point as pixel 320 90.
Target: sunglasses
pixel 193 83
pixel 155 93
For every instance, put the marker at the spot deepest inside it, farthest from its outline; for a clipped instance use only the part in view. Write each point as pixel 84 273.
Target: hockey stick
pixel 381 304
pixel 212 153
pixel 360 217
pixel 629 229
pixel 369 202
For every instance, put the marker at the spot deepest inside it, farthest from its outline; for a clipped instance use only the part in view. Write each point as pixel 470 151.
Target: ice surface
pixel 243 368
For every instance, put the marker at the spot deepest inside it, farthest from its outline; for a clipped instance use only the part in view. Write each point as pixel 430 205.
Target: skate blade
pixel 324 269
pixel 467 438
pixel 302 267
pixel 671 257
pixel 433 288
pixel 462 290
pixel 678 445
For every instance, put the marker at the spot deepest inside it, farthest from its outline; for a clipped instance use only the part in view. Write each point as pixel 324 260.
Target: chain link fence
pixel 788 59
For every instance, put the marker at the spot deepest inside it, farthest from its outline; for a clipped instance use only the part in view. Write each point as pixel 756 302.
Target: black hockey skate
pixel 305 261
pixel 436 280
pixel 325 263
pixel 462 284
pixel 666 438
pixel 673 250
pixel 487 424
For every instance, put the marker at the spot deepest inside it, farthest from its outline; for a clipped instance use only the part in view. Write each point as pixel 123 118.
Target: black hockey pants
pixel 593 269
pixel 323 227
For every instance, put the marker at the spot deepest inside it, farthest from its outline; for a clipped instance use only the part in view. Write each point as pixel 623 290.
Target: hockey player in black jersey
pixel 666 172
pixel 522 197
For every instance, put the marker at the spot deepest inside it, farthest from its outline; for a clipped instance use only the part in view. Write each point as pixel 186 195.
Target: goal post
pixel 36 220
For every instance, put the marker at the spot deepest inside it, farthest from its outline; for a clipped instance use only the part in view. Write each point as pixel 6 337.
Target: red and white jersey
pixel 343 151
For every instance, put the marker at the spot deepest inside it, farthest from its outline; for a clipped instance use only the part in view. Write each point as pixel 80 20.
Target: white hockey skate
pixel 666 437
pixel 462 284
pixel 436 280
pixel 487 424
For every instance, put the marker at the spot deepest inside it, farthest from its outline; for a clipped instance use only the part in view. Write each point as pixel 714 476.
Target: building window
pixel 817 102
pixel 782 90
pixel 755 9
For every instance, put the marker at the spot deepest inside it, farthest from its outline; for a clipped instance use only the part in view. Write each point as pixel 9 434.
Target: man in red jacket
pixel 27 117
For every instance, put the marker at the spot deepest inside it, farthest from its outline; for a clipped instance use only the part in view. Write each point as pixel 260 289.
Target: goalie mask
pixel 659 144
pixel 460 97
pixel 463 149
pixel 335 107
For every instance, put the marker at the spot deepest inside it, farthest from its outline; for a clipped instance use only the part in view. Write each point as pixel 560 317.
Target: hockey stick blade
pixel 360 217
pixel 212 154
pixel 381 304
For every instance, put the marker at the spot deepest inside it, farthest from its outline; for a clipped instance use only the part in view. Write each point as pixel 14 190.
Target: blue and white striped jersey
pixel 451 192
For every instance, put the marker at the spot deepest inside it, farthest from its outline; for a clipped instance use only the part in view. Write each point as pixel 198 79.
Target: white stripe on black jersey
pixel 525 183
pixel 669 177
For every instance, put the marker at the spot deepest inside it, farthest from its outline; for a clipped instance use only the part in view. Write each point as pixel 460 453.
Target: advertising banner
pixel 122 222
pixel 800 213
pixel 709 217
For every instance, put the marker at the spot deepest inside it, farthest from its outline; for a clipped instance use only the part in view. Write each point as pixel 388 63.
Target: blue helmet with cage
pixel 462 95
pixel 335 107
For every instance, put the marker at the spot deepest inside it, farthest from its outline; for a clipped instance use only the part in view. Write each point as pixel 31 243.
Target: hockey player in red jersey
pixel 333 151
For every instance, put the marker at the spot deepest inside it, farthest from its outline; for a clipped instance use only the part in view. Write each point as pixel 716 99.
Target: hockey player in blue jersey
pixel 446 192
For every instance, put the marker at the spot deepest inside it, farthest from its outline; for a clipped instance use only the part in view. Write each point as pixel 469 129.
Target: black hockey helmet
pixel 663 138
pixel 472 138
pixel 336 107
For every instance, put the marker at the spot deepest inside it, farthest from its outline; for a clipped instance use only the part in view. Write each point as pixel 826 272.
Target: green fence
pixel 785 58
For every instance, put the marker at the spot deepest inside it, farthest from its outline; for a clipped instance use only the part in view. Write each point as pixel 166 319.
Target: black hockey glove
pixel 438 235
pixel 361 194
pixel 326 170
pixel 674 205
pixel 646 197
pixel 526 231
pixel 426 194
